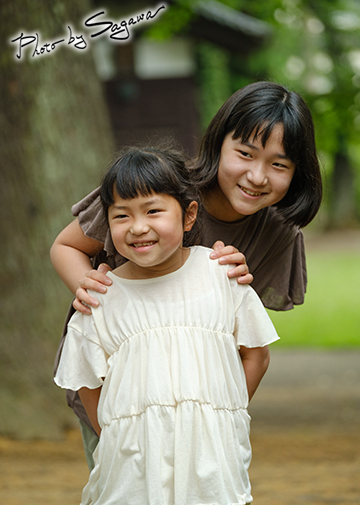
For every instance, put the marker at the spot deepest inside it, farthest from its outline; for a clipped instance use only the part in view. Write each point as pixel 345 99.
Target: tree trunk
pixel 55 142
pixel 343 208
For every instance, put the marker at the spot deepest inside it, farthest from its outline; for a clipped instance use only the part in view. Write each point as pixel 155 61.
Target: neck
pixel 218 206
pixel 133 271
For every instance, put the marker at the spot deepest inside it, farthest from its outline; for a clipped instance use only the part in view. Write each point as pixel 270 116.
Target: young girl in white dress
pixel 167 363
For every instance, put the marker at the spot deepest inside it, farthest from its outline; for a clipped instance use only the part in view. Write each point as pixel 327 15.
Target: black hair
pixel 254 111
pixel 141 171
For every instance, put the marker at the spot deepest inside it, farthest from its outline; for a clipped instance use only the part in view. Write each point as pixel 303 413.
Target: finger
pixel 83 296
pixel 104 268
pixel 235 258
pixel 219 244
pixel 245 279
pixel 81 307
pixel 238 271
pixel 98 276
pixel 226 250
pixel 88 283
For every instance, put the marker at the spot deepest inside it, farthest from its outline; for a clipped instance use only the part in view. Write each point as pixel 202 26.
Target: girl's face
pixel 250 176
pixel 148 231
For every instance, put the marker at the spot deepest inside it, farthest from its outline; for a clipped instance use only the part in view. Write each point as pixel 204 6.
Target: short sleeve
pixel 83 361
pixel 91 217
pixel 274 251
pixel 281 279
pixel 90 214
pixel 253 326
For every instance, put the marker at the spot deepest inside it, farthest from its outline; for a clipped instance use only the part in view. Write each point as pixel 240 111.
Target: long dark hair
pixel 255 110
pixel 141 171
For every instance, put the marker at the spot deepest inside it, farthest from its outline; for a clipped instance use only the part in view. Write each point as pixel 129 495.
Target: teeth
pixel 142 244
pixel 251 193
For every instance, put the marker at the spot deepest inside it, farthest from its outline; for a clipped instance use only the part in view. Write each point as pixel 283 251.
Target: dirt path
pixel 305 438
pixel 306 429
pixel 296 467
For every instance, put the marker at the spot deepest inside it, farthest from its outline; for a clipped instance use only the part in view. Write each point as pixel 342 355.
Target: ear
pixel 190 216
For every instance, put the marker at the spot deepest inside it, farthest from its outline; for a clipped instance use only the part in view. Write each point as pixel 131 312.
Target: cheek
pixel 117 234
pixel 224 176
pixel 230 169
pixel 173 232
pixel 282 184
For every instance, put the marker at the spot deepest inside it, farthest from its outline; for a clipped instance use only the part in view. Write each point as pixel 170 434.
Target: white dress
pixel 173 406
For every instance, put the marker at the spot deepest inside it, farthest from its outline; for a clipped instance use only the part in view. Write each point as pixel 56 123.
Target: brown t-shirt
pixel 274 252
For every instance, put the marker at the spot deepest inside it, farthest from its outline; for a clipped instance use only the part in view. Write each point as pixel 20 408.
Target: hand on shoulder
pixel 229 255
pixel 96 280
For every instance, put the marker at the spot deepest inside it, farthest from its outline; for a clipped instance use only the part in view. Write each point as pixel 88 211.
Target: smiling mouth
pixel 251 193
pixel 143 244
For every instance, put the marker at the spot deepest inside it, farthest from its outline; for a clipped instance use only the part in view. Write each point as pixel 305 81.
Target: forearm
pixel 70 255
pixel 90 400
pixel 255 362
pixel 70 264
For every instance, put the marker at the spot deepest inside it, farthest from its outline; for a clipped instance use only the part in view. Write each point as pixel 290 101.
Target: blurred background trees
pixel 55 139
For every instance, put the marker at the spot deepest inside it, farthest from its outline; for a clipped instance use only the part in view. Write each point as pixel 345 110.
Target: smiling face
pixel 148 231
pixel 250 176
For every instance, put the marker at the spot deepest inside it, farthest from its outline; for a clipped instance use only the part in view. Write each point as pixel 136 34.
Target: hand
pixel 95 280
pixel 230 255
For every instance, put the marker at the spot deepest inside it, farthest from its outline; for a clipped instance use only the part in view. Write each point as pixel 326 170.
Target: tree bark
pixel 343 208
pixel 55 143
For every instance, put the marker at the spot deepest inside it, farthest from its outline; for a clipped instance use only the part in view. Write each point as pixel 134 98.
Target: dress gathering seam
pixel 151 329
pixel 138 414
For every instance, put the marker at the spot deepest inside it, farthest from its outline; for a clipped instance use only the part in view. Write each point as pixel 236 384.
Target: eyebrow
pixel 154 201
pixel 252 146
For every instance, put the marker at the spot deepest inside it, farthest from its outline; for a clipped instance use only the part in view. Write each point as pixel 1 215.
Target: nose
pixel 139 226
pixel 257 174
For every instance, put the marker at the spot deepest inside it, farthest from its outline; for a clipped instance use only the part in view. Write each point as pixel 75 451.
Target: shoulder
pixel 216 272
pixel 82 324
pixel 90 200
pixel 200 251
pixel 271 237
pixel 201 259
pixel 273 221
pixel 92 219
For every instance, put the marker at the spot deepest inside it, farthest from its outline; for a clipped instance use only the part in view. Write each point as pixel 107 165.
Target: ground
pixel 305 439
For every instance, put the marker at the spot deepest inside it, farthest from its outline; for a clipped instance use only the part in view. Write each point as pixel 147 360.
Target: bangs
pixel 136 174
pixel 138 179
pixel 259 124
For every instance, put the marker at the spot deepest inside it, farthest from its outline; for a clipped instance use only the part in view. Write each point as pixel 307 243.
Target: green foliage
pixel 214 80
pixel 330 316
pixel 175 19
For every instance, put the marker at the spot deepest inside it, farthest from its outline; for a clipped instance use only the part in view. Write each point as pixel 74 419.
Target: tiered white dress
pixel 173 406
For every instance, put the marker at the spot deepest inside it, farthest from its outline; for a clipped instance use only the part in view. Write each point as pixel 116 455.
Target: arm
pixel 255 362
pixel 230 255
pixel 90 400
pixel 70 255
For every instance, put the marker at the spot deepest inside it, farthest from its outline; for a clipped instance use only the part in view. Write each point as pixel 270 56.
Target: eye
pixel 120 216
pixel 245 153
pixel 279 165
pixel 154 211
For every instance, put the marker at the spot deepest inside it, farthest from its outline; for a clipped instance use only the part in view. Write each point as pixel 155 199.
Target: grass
pixel 330 316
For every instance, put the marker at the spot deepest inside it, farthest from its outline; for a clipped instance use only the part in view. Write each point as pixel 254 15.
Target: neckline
pixel 155 279
pixel 227 223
